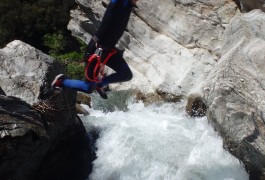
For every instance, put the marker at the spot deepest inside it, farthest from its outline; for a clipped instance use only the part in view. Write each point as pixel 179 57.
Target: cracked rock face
pixel 26 71
pixel 171 45
pixel 34 145
pixel 234 91
pixel 41 136
pixel 248 5
pixel 180 46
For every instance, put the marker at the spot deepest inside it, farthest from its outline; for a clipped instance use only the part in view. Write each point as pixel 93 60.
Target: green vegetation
pixel 55 42
pixel 71 60
pixel 43 24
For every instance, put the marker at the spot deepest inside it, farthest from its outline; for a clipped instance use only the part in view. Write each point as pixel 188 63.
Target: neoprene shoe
pixel 57 82
pixel 102 91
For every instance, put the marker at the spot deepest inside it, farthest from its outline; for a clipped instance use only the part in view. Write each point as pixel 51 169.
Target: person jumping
pixel 106 37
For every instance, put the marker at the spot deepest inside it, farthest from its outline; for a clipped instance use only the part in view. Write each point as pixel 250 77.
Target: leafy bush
pixel 75 70
pixel 73 61
pixel 31 20
pixel 43 24
pixel 55 42
pixel 73 64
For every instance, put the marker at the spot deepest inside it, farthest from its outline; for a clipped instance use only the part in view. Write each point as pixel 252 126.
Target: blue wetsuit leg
pixel 122 70
pixel 79 85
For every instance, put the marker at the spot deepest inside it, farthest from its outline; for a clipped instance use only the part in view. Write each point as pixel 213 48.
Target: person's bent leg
pixel 122 71
pixel 122 75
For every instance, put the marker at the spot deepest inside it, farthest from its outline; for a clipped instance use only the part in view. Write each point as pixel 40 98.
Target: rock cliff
pixel 234 91
pixel 26 71
pixel 170 45
pixel 209 48
pixel 177 47
pixel 44 138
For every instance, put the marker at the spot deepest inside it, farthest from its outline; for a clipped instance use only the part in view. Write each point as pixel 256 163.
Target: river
pixel 157 142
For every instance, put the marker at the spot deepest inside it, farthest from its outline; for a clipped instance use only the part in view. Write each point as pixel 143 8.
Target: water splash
pixel 159 142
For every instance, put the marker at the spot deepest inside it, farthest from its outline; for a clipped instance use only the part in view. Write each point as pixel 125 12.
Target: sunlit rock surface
pixel 41 137
pixel 234 91
pixel 26 72
pixel 248 5
pixel 170 45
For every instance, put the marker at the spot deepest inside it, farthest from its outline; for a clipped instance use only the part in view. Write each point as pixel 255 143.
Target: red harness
pixel 94 70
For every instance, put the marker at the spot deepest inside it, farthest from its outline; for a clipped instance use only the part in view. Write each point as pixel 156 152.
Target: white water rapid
pixel 159 142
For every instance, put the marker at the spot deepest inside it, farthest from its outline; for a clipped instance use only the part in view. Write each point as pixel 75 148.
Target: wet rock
pixel 195 106
pixel 248 5
pixel 83 98
pixel 81 110
pixel 158 97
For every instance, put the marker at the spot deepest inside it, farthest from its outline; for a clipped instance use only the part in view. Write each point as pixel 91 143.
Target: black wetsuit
pixel 112 26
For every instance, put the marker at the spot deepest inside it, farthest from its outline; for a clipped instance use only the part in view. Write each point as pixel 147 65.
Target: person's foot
pixel 57 82
pixel 102 91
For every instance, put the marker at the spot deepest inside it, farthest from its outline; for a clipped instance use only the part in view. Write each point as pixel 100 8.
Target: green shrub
pixel 69 57
pixel 73 61
pixel 73 64
pixel 30 20
pixel 55 42
pixel 75 70
pixel 42 24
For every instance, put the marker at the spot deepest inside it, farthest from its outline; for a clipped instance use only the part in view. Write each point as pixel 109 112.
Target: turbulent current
pixel 158 142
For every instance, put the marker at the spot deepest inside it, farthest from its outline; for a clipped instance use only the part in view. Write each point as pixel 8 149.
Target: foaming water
pixel 159 142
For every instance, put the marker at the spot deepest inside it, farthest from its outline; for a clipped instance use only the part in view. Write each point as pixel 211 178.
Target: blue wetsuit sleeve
pixel 121 2
pixel 113 7
pixel 124 3
pixel 106 21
